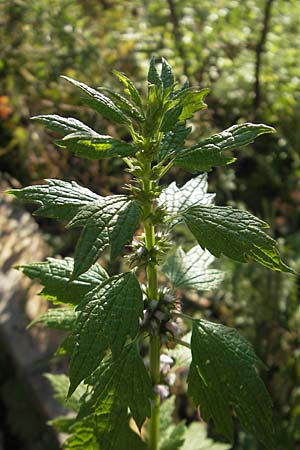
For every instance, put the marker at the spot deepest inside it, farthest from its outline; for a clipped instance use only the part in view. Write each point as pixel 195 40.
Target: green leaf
pixel 153 76
pixel 171 436
pixel 131 90
pixel 155 108
pixel 237 234
pixel 176 200
pixel 57 199
pixel 174 438
pixel 107 316
pixel 108 428
pixel 190 270
pixel 125 106
pixel 181 353
pixel 170 118
pixel 96 146
pixel 56 277
pixel 223 378
pixel 209 153
pixel 63 424
pixel 128 376
pixel 190 101
pixel 173 141
pixel 196 439
pixel 62 125
pixel 100 102
pixel 167 76
pixel 60 384
pixel 57 318
pixel 83 436
pixel 113 220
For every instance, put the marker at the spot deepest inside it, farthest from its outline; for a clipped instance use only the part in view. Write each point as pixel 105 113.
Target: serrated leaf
pixel 237 234
pixel 155 107
pixel 167 76
pixel 207 154
pixel 153 76
pixel 83 436
pixel 57 318
pixel 57 199
pixel 96 146
pixel 62 125
pixel 196 439
pixel 190 270
pixel 190 101
pixel 100 102
pixel 175 437
pixel 56 277
pixel 131 90
pixel 125 106
pixel 113 220
pixel 173 141
pixel 170 118
pixel 176 200
pixel 108 315
pixel 108 428
pixel 128 376
pixel 60 384
pixel 223 378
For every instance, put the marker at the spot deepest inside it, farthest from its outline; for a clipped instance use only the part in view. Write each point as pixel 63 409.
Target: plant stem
pixel 155 343
pixel 155 377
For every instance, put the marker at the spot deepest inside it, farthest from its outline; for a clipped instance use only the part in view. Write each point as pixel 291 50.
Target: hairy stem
pixel 155 343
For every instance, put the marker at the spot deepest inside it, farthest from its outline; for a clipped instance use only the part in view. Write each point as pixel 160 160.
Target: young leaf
pixel 57 318
pixel 154 111
pixel 190 270
pixel 237 234
pixel 100 102
pixel 170 118
pixel 223 378
pixel 167 76
pixel 173 141
pixel 130 89
pixel 209 153
pixel 128 376
pixel 153 76
pixel 176 200
pixel 96 146
pixel 62 125
pixel 56 277
pixel 190 101
pixel 57 199
pixel 112 220
pixel 125 106
pixel 107 316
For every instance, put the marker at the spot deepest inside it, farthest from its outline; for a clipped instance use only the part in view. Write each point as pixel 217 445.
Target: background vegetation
pixel 248 54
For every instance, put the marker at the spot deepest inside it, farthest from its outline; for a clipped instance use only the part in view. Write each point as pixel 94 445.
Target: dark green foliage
pixel 223 377
pixel 107 316
pixel 56 277
pixel 237 234
pixel 114 314
pixel 209 153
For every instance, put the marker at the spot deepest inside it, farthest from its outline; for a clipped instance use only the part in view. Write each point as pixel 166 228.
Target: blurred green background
pixel 248 54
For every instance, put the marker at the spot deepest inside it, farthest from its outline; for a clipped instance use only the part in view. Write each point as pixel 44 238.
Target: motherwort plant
pixel 116 397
